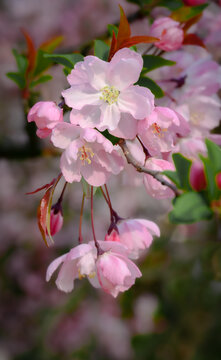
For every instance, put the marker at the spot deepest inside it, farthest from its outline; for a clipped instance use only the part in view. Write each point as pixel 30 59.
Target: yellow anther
pixel 80 276
pixel 195 118
pixel 109 94
pixel 86 154
pixel 92 275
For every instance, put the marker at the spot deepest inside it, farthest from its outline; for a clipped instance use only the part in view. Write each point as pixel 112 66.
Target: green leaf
pixel 189 208
pixel 152 62
pixel 183 170
pixel 214 154
pixel 66 71
pixel 173 176
pixel 42 79
pixel 171 4
pixel 110 137
pixel 112 28
pixel 21 60
pixel 42 63
pixel 101 50
pixel 17 78
pixel 187 12
pixel 151 85
pixel 67 60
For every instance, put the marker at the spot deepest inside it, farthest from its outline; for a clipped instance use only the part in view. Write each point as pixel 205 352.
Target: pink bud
pixel 45 114
pixel 194 2
pixel 218 180
pixel 56 220
pixel 197 176
pixel 168 31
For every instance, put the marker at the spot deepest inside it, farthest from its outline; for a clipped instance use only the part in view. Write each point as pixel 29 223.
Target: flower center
pixel 157 130
pixel 86 154
pixel 109 94
pixel 195 118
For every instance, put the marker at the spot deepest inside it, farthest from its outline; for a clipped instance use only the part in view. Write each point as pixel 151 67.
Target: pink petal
pixel 110 117
pixel 94 174
pixel 88 117
pixel 125 68
pixel 127 127
pixel 136 100
pixel 66 276
pixel 78 96
pixel 113 162
pixel 70 170
pixel 63 134
pixel 54 265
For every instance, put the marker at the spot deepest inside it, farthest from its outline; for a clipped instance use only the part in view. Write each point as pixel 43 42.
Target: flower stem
pixel 80 239
pixel 62 193
pixel 99 250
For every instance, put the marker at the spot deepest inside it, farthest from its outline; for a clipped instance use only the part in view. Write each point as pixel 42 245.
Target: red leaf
pixel 31 51
pixel 124 29
pixel 193 39
pixel 46 186
pixel 44 211
pixel 137 40
pixel 113 47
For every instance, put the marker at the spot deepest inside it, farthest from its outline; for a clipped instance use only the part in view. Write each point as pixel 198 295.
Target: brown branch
pixel 156 174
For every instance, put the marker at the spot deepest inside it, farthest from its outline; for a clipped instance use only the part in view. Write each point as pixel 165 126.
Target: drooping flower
pixel 46 115
pixel 153 187
pixel 87 153
pixel 79 262
pixel 169 32
pixel 56 219
pixel 135 234
pixel 102 94
pixel 111 270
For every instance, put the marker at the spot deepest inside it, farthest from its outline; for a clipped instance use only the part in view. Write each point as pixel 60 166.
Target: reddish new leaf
pixel 44 211
pixel 113 47
pixel 31 51
pixel 124 29
pixel 193 39
pixel 51 44
pixel 46 186
pixel 137 40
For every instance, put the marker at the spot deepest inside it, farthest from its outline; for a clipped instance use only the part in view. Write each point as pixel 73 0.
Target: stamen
pixel 158 130
pixel 86 154
pixel 109 94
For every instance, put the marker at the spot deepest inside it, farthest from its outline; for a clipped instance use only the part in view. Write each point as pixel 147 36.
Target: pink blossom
pixel 135 234
pixel 45 114
pixel 78 263
pixel 153 187
pixel 168 31
pixel 111 270
pixel 159 130
pixel 218 180
pixel 202 112
pixel 191 147
pixel 115 272
pixel 102 94
pixel 87 153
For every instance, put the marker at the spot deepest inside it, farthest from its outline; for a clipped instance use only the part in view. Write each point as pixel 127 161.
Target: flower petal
pixel 70 169
pixel 78 96
pixel 63 134
pixel 110 117
pixel 94 174
pixel 54 265
pixel 136 100
pixel 127 127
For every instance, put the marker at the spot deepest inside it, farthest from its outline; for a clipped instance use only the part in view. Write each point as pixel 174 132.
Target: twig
pixel 156 174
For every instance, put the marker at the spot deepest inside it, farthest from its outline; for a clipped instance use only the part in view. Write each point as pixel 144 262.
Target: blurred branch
pixel 155 174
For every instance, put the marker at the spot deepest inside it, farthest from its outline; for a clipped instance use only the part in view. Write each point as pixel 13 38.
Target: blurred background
pixel 173 311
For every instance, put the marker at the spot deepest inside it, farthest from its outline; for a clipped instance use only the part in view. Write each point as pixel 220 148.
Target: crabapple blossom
pixel 111 270
pixel 135 234
pixel 45 114
pixel 102 94
pixel 87 153
pixel 153 187
pixel 159 130
pixel 169 32
pixel 77 263
pixel 115 272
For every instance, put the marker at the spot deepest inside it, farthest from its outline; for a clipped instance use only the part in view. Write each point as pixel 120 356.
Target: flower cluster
pixel 106 103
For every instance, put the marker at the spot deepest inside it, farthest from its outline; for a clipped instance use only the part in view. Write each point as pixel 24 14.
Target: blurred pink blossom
pixel 169 32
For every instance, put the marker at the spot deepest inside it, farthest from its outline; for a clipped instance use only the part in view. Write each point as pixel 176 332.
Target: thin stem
pixel 62 193
pixel 80 238
pixel 108 196
pixel 156 174
pixel 99 250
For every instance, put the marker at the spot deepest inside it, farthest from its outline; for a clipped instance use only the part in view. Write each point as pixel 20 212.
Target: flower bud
pixel 56 219
pixel 45 114
pixel 197 176
pixel 218 180
pixel 194 2
pixel 168 31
